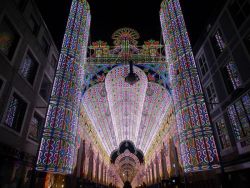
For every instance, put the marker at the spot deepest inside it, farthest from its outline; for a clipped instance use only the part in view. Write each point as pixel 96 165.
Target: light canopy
pixel 126 101
pixel 96 105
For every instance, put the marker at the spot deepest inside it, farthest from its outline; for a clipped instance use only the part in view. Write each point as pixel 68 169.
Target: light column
pixel 198 150
pixel 58 148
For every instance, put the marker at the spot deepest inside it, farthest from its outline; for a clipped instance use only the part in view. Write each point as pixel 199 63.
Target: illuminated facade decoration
pixel 100 48
pixel 15 113
pixel 125 35
pixel 58 149
pixel 28 68
pixel 151 48
pixel 234 76
pixel 126 102
pixel 239 115
pixel 197 143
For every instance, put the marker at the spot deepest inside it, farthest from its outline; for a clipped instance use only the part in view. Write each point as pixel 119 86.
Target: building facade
pixel 223 59
pixel 28 60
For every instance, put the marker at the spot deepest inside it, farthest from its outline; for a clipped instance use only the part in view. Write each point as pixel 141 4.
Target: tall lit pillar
pixel 91 165
pixel 148 176
pixel 198 150
pixel 153 172
pixel 105 176
pixel 83 160
pixel 102 173
pixel 57 150
pixel 164 164
pixel 157 169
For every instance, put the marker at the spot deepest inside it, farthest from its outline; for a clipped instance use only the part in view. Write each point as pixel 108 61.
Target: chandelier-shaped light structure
pixel 157 101
pixel 96 104
pixel 126 101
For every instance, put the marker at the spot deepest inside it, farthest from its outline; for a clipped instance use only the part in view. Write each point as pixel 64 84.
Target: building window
pixel 1 84
pixel 45 88
pixel 45 46
pixel 21 4
pixel 29 68
pixel 231 76
pixel 203 64
pixel 211 96
pixel 247 42
pixel 15 113
pixel 53 62
pixel 33 25
pixel 222 134
pixel 239 10
pixel 35 129
pixel 218 42
pixel 239 115
pixel 8 38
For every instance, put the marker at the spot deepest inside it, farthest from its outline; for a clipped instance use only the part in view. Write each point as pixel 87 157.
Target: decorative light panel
pixel 156 103
pixel 126 102
pixel 96 105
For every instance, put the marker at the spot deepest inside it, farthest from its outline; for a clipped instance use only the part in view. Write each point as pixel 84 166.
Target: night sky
pixel 110 15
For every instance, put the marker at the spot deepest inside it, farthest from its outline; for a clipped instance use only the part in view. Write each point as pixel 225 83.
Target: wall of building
pixel 24 37
pixel 223 59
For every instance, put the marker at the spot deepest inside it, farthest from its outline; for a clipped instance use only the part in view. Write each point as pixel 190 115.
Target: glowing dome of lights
pixel 97 106
pixel 126 101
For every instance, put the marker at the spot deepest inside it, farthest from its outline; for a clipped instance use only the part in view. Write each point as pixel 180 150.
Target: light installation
pixel 157 99
pixel 239 115
pixel 120 111
pixel 156 102
pixel 96 104
pixel 58 149
pixel 128 165
pixel 234 75
pixel 126 101
pixel 197 143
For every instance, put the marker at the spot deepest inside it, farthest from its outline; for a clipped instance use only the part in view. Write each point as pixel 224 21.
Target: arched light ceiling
pixel 120 111
pixel 156 103
pixel 97 107
pixel 127 164
pixel 126 101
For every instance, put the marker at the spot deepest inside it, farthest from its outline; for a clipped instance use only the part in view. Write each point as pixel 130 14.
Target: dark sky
pixel 110 15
